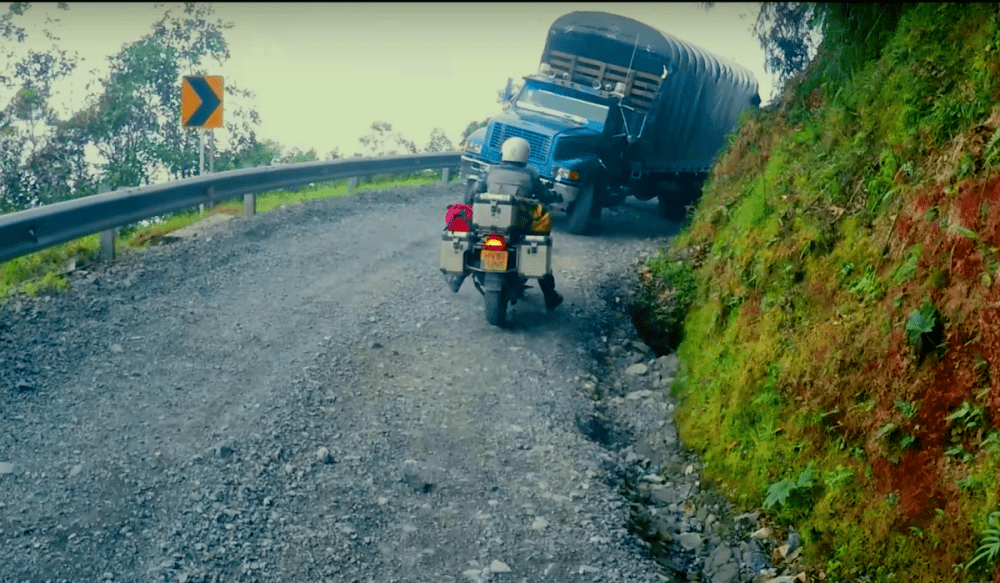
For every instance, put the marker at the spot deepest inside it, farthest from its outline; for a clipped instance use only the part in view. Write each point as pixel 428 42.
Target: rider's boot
pixel 548 285
pixel 455 281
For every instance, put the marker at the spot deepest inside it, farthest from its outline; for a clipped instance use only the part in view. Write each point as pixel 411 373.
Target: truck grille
pixel 539 143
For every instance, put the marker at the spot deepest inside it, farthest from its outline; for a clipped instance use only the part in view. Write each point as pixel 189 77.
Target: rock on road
pixel 300 397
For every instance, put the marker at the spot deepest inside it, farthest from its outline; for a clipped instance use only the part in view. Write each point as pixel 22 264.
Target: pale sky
pixel 323 72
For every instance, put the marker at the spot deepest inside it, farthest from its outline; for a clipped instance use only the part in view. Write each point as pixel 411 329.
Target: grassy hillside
pixel 842 350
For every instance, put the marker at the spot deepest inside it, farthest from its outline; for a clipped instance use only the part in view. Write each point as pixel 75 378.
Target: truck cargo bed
pixel 693 98
pixel 640 87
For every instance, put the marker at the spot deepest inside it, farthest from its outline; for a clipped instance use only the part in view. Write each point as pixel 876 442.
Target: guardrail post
pixel 106 238
pixel 445 175
pixel 249 200
pixel 352 183
pixel 211 164
pixel 249 205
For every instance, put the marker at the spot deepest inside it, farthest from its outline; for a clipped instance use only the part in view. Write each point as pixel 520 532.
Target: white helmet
pixel 515 150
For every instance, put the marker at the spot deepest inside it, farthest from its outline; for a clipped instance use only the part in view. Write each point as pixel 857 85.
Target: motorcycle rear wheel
pixel 496 307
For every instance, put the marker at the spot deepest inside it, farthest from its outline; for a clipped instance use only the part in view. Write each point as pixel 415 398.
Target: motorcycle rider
pixel 514 177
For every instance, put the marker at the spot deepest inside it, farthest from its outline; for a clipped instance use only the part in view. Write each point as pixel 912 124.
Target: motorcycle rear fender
pixel 494 281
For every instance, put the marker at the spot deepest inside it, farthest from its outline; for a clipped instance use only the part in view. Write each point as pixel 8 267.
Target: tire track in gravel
pixel 175 435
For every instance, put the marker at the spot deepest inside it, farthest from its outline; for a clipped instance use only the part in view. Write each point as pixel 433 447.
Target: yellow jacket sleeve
pixel 541 222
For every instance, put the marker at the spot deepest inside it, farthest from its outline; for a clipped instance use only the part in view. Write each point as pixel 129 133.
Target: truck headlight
pixel 565 173
pixel 473 147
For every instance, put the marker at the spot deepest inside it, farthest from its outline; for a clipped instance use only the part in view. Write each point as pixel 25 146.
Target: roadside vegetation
pixel 841 354
pixel 45 271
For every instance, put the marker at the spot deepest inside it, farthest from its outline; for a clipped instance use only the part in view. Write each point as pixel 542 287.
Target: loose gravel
pixel 299 397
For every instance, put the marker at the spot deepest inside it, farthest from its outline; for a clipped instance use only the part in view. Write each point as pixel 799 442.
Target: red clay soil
pixel 924 478
pixel 966 262
pixel 923 202
pixel 989 345
pixel 968 206
pixel 916 482
pixel 903 226
pixel 978 209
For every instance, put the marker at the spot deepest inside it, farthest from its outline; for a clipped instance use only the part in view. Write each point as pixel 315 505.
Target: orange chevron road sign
pixel 201 102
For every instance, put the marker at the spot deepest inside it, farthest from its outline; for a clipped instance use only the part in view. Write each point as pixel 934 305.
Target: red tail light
pixel 495 242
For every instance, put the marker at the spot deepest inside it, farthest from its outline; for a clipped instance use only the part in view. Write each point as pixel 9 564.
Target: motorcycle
pixel 495 250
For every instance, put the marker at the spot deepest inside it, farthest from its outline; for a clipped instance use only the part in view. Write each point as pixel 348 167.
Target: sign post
pixel 201 162
pixel 107 237
pixel 201 108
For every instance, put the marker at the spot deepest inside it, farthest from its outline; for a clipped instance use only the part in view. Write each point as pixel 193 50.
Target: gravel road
pixel 300 397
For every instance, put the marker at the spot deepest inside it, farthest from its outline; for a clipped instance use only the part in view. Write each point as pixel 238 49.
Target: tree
pixel 473 126
pixel 787 32
pixel 333 154
pixel 264 153
pixel 33 165
pixel 439 142
pixel 134 121
pixel 296 156
pixel 382 141
pixel 784 31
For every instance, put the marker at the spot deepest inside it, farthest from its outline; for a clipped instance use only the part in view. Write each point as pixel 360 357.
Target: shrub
pixel 924 329
pixel 666 289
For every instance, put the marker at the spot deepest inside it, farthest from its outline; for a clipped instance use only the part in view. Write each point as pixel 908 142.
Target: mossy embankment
pixel 841 355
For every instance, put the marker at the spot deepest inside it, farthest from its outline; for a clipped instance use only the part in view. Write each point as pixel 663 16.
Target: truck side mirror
pixel 508 91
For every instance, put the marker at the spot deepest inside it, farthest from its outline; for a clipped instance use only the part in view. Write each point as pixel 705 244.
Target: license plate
pixel 494 260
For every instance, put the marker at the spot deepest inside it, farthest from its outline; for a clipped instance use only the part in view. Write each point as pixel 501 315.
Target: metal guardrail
pixel 29 231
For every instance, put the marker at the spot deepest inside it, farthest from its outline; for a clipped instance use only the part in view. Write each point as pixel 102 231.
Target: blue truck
pixel 617 109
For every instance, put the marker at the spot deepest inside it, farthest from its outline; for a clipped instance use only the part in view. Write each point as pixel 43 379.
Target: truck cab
pixel 562 124
pixel 579 119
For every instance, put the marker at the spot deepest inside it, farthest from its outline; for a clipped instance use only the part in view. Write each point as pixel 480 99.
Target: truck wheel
pixel 496 307
pixel 582 211
pixel 671 206
pixel 689 195
pixel 595 212
pixel 646 189
pixel 695 185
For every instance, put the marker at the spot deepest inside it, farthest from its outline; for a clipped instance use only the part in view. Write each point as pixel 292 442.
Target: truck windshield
pixel 548 102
